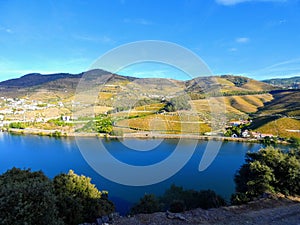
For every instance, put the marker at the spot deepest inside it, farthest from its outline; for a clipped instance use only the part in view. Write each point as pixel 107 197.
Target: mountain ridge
pixel 291 82
pixel 37 79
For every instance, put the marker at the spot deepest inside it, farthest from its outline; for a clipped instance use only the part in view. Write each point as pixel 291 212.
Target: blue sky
pixel 256 38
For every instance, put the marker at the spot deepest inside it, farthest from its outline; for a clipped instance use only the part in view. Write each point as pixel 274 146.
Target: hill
pixel 284 103
pixel 280 116
pixel 146 104
pixel 227 85
pixel 283 127
pixel 34 79
pixel 293 82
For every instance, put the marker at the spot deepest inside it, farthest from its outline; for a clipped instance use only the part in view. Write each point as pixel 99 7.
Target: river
pixel 54 156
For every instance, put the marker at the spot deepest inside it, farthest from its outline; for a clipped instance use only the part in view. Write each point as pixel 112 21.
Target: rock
pixel 99 221
pixel 113 216
pixel 105 219
pixel 179 216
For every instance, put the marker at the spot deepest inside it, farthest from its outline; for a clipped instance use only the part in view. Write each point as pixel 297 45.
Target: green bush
pixel 27 198
pixel 78 200
pixel 295 142
pixel 104 125
pixel 239 198
pixel 18 125
pixel 192 199
pixel 269 170
pixel 56 134
pixel 31 198
pixel 147 204
pixel 177 206
pixel 176 199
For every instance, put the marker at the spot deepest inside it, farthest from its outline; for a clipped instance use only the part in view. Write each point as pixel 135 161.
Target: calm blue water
pixel 54 156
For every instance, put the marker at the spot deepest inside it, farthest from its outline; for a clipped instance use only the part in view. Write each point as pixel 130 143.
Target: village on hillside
pixel 37 114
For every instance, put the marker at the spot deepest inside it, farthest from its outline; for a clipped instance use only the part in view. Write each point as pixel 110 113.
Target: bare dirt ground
pixel 280 211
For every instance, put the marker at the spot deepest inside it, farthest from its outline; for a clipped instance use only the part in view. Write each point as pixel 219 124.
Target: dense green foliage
pixel 104 124
pixel 269 170
pixel 31 198
pixel 18 125
pixel 237 130
pixel 27 198
pixel 267 141
pixel 58 122
pixel 191 198
pixel 147 204
pixel 56 134
pixel 176 199
pixel 295 142
pixel 79 200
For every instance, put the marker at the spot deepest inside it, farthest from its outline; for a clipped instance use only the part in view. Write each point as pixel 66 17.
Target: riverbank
pixel 138 135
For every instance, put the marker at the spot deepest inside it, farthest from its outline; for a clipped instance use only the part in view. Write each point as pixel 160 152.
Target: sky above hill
pixel 256 38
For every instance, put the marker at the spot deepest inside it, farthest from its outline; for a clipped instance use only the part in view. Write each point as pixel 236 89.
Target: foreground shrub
pixel 147 204
pixel 78 200
pixel 31 198
pixel 176 199
pixel 269 170
pixel 27 198
pixel 192 199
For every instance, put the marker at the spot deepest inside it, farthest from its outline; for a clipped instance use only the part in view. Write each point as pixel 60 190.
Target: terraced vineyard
pixel 159 105
pixel 283 127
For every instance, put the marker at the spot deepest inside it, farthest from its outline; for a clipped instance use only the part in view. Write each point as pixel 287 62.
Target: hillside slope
pixel 141 104
pixel 292 82
pixel 285 103
pixel 227 85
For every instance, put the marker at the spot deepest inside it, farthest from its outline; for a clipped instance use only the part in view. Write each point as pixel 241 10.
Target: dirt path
pixel 263 212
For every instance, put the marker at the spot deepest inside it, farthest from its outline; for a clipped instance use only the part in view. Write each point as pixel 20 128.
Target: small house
pixel 66 118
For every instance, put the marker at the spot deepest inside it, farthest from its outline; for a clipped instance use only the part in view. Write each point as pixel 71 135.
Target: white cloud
pixel 234 2
pixel 242 40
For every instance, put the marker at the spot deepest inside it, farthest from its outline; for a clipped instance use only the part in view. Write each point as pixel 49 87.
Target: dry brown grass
pixel 233 104
pixel 151 107
pixel 166 123
pixel 280 127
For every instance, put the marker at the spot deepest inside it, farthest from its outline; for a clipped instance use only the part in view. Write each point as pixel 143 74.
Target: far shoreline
pixel 141 135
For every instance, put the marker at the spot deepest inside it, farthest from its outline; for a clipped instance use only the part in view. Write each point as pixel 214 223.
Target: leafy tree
pixel 267 141
pixel 239 198
pixel 147 204
pixel 268 170
pixel 176 199
pixel 27 198
pixel 104 125
pixel 191 198
pixel 79 200
pixel 18 125
pixel 295 142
